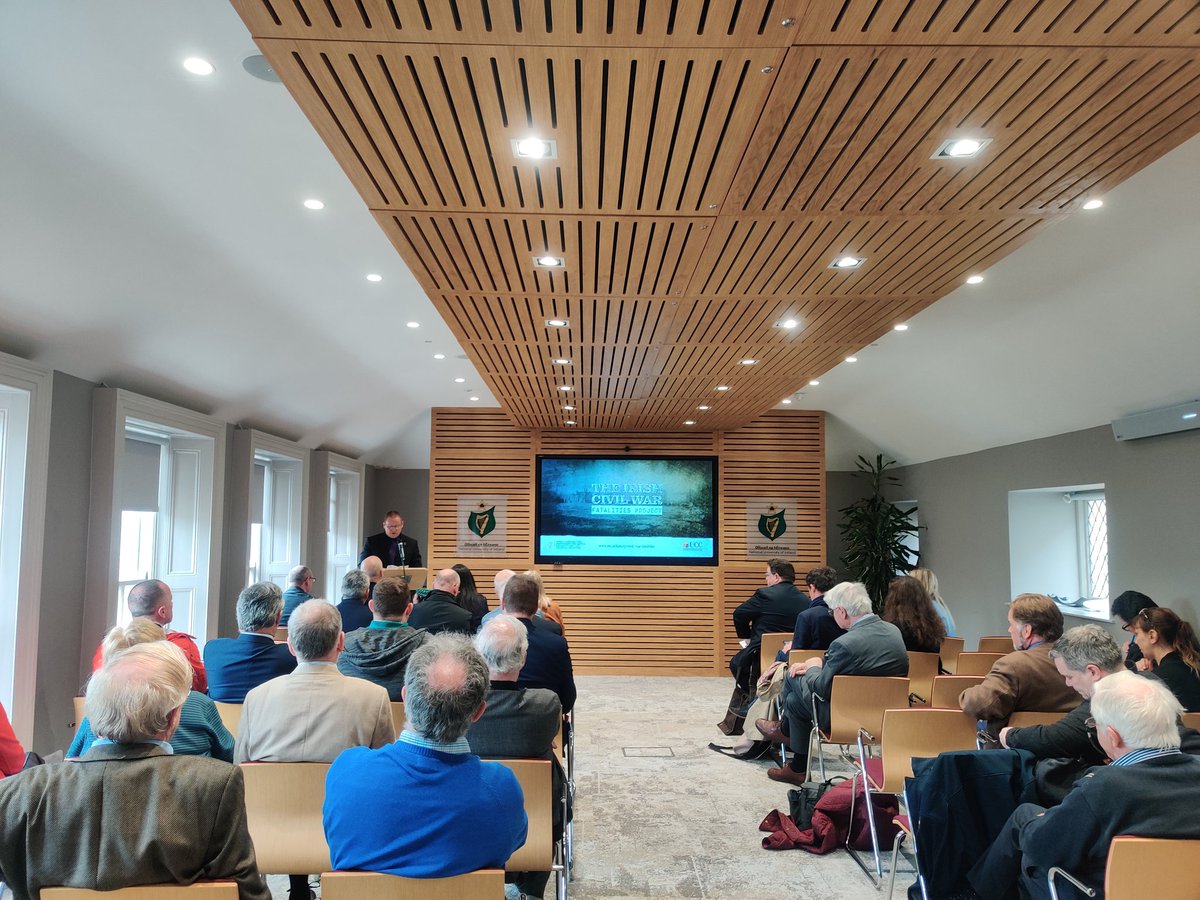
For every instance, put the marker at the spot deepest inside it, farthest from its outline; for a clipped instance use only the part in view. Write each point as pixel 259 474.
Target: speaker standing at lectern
pixel 392 547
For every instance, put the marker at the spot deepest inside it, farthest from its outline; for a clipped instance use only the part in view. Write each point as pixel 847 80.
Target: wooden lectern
pixel 416 577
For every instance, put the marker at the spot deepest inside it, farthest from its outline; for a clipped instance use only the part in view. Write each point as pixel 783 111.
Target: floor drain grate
pixel 647 751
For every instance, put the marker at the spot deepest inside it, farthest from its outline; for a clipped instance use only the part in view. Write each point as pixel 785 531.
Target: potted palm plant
pixel 873 529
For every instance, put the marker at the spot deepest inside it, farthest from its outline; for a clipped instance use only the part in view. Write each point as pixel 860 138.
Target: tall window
pixel 1093 545
pixel 14 428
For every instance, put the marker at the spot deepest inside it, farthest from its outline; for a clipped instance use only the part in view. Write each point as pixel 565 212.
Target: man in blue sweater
pixel 426 823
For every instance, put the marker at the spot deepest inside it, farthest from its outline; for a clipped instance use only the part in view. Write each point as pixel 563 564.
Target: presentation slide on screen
pixel 626 508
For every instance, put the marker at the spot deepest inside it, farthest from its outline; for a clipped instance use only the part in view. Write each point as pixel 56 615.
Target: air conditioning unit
pixel 1181 417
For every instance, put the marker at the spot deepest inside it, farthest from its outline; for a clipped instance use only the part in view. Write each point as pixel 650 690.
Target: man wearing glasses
pixel 392 546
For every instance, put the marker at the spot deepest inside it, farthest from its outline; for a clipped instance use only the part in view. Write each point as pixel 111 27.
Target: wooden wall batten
pixel 629 620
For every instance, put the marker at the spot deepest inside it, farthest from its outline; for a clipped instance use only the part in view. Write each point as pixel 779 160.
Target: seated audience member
pixel 439 611
pixel 1026 679
pixel 373 567
pixel 300 581
pixel 1170 644
pixel 115 818
pixel 199 732
pixel 547 608
pixel 870 646
pixel 518 722
pixel 426 806
pixel 501 580
pixel 12 754
pixel 380 652
pixel 1125 609
pixel 769 610
pixel 1151 789
pixel 235 665
pixel 909 607
pixel 815 628
pixel 469 597
pixel 356 588
pixel 548 661
pixel 929 581
pixel 153 600
pixel 316 712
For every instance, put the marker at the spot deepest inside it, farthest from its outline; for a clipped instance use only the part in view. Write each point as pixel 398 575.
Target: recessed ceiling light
pixel 900 327
pixel 814 382
pixel 851 359
pixel 564 387
pixel 374 278
pixel 557 323
pixel 568 409
pixel 562 361
pixel 549 262
pixel 439 356
pixel 702 407
pixel 1094 203
pixel 460 380
pixel 722 387
pixel 1189 415
pixel 690 422
pixel 474 399
pixel 313 203
pixel 748 362
pixel 787 323
pixel 974 279
pixel 412 324
pixel 198 66
pixel 961 148
pixel 847 262
pixel 534 148
pixel 569 422
pixel 786 400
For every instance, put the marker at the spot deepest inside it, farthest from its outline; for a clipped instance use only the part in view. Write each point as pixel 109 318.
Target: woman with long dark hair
pixel 1171 643
pixel 909 607
pixel 1125 609
pixel 469 597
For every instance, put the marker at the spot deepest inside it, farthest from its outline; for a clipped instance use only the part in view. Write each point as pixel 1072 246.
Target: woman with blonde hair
pixel 201 731
pixel 547 607
pixel 929 581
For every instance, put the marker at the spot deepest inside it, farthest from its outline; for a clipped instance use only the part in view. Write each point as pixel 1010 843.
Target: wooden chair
pixel 283 811
pixel 856 706
pixel 795 656
pixel 772 643
pixel 231 715
pixel 951 647
pixel 976 663
pixel 922 669
pixel 484 884
pixel 398 716
pixel 996 643
pixel 946 688
pixel 1025 718
pixel 1162 868
pixel 1191 720
pixel 538 852
pixel 281 634
pixel 79 711
pixel 201 890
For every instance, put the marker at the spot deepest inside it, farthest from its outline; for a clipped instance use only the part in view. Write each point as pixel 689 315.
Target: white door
pixel 283 494
pixel 14 438
pixel 344 521
pixel 185 530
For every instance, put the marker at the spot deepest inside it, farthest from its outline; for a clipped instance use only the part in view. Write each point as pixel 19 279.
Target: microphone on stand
pixel 404 576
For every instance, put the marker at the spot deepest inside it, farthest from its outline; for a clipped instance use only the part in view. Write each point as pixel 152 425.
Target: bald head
pixel 445 686
pixel 151 599
pixel 373 566
pixel 447 580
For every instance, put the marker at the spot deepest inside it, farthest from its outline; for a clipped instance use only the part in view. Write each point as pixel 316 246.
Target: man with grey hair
pixel 1150 789
pixel 112 818
pixel 356 589
pixel 870 646
pixel 440 610
pixel 300 581
pixel 316 712
pixel 236 665
pixel 426 824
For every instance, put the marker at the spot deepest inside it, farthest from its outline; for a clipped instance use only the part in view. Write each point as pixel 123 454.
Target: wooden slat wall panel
pixel 628 620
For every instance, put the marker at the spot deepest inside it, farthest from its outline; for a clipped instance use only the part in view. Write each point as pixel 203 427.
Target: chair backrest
pixel 79 713
pixel 995 643
pixel 281 634
pixel 231 715
pixel 1191 720
pixel 772 643
pixel 537 853
pixel 946 688
pixel 858 701
pixel 1024 718
pixel 1161 868
pixel 921 733
pixel 976 663
pixel 560 743
pixel 484 884
pixel 922 669
pixel 204 890
pixel 398 716
pixel 795 656
pixel 283 811
pixel 951 647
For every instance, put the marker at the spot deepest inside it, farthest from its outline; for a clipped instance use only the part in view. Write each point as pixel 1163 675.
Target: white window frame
pixel 325 466
pixel 1081 500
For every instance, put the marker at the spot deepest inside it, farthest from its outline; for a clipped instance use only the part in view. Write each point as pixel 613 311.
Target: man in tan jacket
pixel 1026 679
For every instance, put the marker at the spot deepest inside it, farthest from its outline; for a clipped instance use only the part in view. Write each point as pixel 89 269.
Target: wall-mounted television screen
pixel 626 510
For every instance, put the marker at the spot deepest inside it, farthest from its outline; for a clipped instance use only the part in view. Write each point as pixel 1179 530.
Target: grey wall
pixel 841 489
pixel 60 637
pixel 405 490
pixel 1152 488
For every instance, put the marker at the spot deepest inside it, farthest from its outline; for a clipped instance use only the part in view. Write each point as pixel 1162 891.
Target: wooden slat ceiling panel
pixel 992 22
pixel 712 158
pixel 634 23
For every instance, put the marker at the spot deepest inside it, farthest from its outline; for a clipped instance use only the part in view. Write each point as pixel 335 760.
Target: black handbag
pixel 802 801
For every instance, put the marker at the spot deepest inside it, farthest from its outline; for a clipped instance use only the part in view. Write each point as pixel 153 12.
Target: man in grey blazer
pixel 870 646
pixel 316 712
pixel 129 812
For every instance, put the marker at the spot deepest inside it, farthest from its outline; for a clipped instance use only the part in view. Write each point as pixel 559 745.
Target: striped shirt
pixel 1133 757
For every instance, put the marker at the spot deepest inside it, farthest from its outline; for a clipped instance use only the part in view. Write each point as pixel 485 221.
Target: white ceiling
pixel 152 237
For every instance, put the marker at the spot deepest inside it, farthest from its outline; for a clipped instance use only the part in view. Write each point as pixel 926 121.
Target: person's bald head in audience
pixel 373 566
pixel 315 632
pixel 151 599
pixel 447 580
pixel 521 596
pixel 138 694
pixel 445 686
